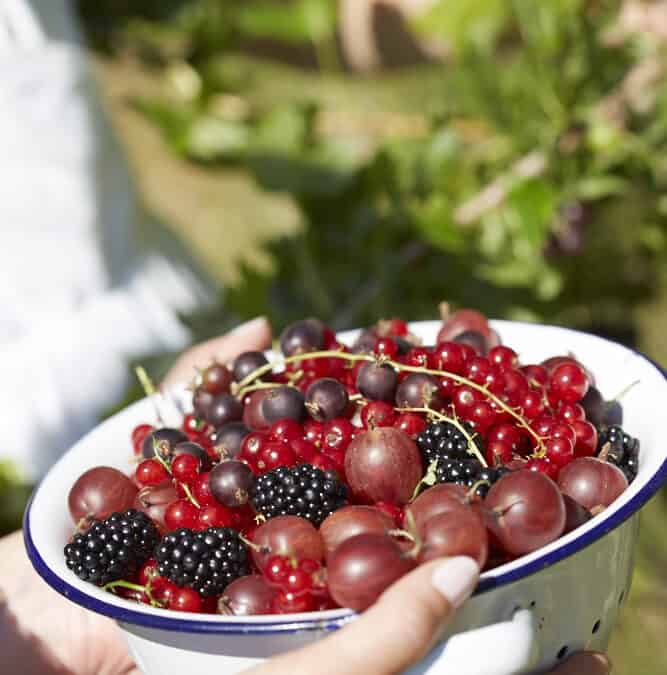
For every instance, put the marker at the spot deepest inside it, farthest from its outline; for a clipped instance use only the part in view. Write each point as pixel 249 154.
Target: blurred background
pixel 357 159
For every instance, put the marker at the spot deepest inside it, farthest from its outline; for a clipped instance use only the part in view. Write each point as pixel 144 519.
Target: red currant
pixel 411 424
pixel 377 414
pixel 298 582
pixel 447 388
pixel 467 352
pixel 312 431
pixel 326 463
pixel 449 356
pixel 150 472
pixel 215 515
pixel 571 412
pixel 252 446
pixel 337 434
pixel 276 569
pixel 542 465
pixel 516 385
pixel 586 438
pixel 139 434
pixel 275 454
pixel 531 404
pixel 385 346
pixel 329 338
pixel 419 357
pixel 309 566
pixel 563 430
pixel 477 368
pixel 568 383
pixel 560 451
pixel 505 432
pixel 304 449
pixel 465 398
pixel 201 489
pixel 163 590
pixel 148 572
pixel 537 376
pixel 542 424
pixel 392 510
pixel 185 600
pixel 482 415
pixel 498 452
pixel 181 513
pixel 393 327
pixel 288 603
pixel 503 357
pixel 286 430
pixel 185 468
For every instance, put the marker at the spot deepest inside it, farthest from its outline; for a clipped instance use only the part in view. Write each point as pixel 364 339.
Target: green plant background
pixel 523 175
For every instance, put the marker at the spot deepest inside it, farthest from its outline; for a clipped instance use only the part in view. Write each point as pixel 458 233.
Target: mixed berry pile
pixel 317 480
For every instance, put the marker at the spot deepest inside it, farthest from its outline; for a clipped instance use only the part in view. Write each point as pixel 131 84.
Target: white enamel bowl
pixel 524 616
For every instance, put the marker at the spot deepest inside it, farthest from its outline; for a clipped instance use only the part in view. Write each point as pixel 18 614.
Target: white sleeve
pixel 77 297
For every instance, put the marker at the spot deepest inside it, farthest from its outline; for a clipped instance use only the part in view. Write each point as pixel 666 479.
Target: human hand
pixel 403 626
pixel 252 335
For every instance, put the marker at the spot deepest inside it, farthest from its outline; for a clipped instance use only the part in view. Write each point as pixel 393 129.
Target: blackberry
pixel 442 441
pixel 206 561
pixel 622 450
pixel 112 549
pixel 304 491
pixel 467 472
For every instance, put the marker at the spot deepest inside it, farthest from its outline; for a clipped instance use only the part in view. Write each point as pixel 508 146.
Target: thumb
pixel 249 336
pixel 393 634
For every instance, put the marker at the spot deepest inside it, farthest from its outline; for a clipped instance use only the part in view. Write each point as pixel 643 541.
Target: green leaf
pixel 295 22
pixel 597 187
pixel 284 129
pixel 210 138
pixel 465 23
pixel 531 206
pixel 434 219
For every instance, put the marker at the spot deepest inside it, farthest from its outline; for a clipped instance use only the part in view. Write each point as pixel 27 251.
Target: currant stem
pixel 190 497
pixel 624 391
pixel 250 544
pixel 159 446
pixel 402 533
pixel 328 353
pixel 399 367
pixel 149 389
pixel 121 583
pixel 454 422
pixel 242 391
pixel 464 380
pixel 428 479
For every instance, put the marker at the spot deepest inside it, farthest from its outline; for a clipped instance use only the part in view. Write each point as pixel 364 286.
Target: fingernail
pixel 249 327
pixel 456 579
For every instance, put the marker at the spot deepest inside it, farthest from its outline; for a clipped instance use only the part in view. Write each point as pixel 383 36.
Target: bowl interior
pixel 48 524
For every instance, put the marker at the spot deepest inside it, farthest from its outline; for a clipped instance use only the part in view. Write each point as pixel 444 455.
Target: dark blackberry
pixel 621 449
pixel 467 472
pixel 206 561
pixel 304 491
pixel 442 441
pixel 112 549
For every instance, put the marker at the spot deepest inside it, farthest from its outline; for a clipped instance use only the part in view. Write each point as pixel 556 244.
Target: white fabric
pixel 77 298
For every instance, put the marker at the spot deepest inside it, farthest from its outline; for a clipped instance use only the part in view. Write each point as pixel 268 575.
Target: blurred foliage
pixel 13 497
pixel 527 181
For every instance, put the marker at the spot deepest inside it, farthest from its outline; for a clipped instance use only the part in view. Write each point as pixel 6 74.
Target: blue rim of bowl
pixel 193 625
